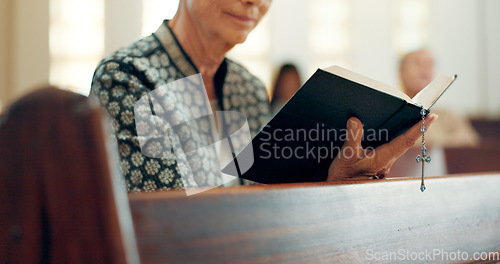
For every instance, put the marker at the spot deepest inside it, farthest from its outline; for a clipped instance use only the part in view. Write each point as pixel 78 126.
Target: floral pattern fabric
pixel 129 74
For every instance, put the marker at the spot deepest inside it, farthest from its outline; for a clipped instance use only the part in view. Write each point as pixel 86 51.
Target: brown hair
pixel 278 80
pixel 58 203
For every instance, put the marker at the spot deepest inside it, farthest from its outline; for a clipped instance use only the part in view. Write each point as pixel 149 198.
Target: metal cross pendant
pixel 423 158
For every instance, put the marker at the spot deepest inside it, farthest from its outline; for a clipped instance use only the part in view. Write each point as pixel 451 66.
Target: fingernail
pixel 434 117
pixel 353 124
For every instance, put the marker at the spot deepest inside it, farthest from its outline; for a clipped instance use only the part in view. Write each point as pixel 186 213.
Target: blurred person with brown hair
pixel 416 71
pixel 287 82
pixel 62 197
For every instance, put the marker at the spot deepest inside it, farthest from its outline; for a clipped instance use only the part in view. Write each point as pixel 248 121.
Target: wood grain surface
pixel 322 223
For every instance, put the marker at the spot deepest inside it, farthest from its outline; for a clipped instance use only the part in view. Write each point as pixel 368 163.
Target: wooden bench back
pixel 320 223
pixel 488 130
pixel 472 159
pixel 451 160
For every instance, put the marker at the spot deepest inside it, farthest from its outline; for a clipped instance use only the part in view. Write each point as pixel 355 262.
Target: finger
pixel 398 146
pixel 381 174
pixel 352 146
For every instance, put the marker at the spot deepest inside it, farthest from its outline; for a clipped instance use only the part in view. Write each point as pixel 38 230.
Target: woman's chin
pixel 236 38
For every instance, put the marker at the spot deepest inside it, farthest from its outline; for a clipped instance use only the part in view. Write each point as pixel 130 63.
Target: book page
pixel 358 78
pixel 433 91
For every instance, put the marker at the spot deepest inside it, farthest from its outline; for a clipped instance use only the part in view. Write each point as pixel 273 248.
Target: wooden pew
pixel 452 160
pixel 488 130
pixel 324 223
pixel 472 159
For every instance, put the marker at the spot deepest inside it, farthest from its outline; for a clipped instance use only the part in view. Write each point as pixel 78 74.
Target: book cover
pixel 302 139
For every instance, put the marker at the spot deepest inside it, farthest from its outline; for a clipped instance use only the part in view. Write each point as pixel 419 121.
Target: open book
pixel 303 138
pixel 426 98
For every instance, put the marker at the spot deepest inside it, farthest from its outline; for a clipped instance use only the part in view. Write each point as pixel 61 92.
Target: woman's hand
pixel 355 163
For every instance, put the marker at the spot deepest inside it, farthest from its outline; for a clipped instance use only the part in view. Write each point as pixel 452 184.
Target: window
pixel 76 41
pixel 410 25
pixel 329 33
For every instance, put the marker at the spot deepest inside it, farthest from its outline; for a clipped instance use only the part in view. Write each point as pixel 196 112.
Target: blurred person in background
pixel 287 82
pixel 416 71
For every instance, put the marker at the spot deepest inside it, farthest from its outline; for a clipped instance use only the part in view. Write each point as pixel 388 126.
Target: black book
pixel 303 138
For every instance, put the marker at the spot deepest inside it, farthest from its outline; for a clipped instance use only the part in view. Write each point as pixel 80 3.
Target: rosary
pixel 423 158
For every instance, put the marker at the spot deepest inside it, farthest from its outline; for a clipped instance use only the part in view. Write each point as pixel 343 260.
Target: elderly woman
pixel 196 40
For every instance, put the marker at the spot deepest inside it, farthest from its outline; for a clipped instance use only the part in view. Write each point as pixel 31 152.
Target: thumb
pixel 352 146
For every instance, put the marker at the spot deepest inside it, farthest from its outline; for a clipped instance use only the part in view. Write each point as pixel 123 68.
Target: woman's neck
pixel 207 53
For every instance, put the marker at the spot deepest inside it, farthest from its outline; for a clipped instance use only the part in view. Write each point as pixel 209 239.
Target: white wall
pixel 30 46
pixel 491 46
pixel 372 51
pixel 24 46
pixel 288 26
pixel 4 54
pixel 455 44
pixel 123 26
